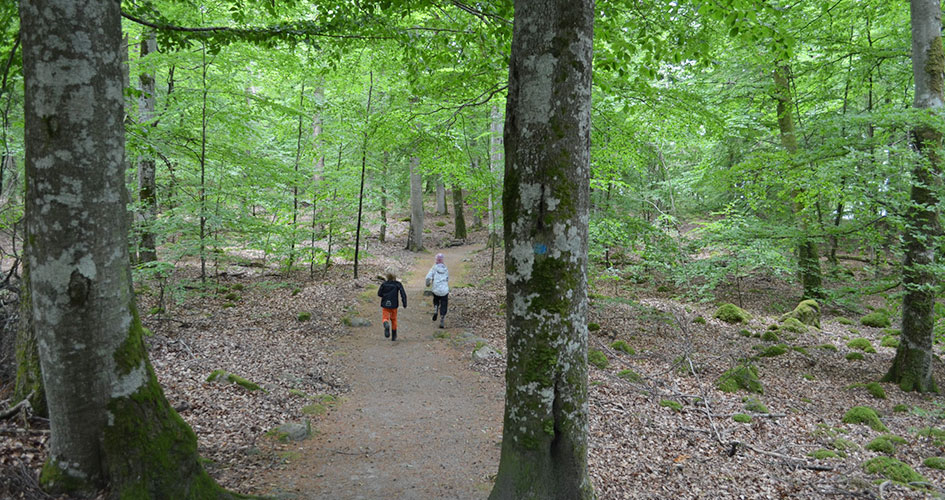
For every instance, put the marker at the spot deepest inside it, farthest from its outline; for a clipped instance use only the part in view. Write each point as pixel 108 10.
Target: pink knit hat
pixel 439 258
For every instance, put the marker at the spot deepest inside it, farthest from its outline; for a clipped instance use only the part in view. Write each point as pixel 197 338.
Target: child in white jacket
pixel 439 278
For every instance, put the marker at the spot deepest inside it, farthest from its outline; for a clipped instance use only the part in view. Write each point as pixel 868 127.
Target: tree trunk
pixel 912 366
pixel 441 197
pixel 367 120
pixel 415 233
pixel 495 160
pixel 459 218
pixel 808 258
pixel 29 376
pixel 147 184
pixel 111 426
pixel 545 203
pixel 382 234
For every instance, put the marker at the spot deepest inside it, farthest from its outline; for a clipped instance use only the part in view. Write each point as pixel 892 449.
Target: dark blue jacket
pixel 388 293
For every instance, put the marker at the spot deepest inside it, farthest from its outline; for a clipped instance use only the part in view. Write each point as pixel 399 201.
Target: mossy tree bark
pixel 547 145
pixel 415 232
pixel 459 216
pixel 808 258
pixel 111 426
pixel 912 366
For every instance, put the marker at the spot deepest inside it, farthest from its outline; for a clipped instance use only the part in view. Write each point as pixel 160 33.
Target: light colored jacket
pixel 439 277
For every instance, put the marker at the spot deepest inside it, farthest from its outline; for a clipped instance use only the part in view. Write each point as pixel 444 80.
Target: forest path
pixel 418 423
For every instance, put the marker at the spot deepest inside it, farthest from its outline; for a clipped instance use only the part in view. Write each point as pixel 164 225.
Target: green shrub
pixel 597 358
pixel 876 319
pixel 304 316
pixel 296 291
pixel 935 463
pixel 742 418
pixel 440 223
pixel 665 403
pixel 232 296
pixel 864 415
pixel 237 286
pixel 630 375
pixel 743 376
pixel 730 313
pixel 892 469
pixel 622 346
pixel 855 356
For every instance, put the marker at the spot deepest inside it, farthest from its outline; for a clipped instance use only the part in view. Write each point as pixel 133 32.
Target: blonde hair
pixel 391 275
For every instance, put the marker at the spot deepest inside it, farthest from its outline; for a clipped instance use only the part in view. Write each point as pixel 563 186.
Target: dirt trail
pixel 417 423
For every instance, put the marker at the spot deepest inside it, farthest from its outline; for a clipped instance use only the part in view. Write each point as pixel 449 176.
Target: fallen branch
pixel 24 403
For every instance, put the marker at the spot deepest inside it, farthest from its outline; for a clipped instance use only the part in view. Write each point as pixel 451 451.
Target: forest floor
pixel 420 418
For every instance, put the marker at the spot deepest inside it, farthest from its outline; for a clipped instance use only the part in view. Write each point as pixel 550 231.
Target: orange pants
pixel 389 315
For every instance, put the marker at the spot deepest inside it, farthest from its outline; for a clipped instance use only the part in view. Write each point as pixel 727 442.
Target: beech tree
pixel 545 203
pixel 912 366
pixel 111 426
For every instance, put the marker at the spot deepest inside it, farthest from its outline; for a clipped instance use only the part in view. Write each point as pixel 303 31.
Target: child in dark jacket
pixel 388 293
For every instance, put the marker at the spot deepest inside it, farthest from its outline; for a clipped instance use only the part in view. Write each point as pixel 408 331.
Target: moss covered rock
pixel 774 350
pixel 828 347
pixel 855 356
pixel 221 375
pixel 885 444
pixel 623 347
pixel 597 358
pixel 892 469
pixel 732 314
pixel 770 336
pixel 864 415
pixel 752 404
pixel 666 403
pixel 844 321
pixel 876 319
pixel 630 375
pixel 742 418
pixel 743 376
pixel 935 463
pixel 699 320
pixel 823 454
pixel 807 312
pixel 861 344
pixel 793 325
pixel 876 390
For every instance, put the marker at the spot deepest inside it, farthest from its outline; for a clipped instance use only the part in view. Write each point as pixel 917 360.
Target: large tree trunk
pixel 547 144
pixel 459 218
pixel 441 197
pixel 415 233
pixel 111 426
pixel 808 258
pixel 912 366
pixel 147 186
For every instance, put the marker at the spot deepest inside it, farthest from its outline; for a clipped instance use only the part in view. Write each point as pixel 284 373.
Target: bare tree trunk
pixel 357 234
pixel 912 366
pixel 295 182
pixel 459 218
pixel 415 233
pixel 441 197
pixel 495 163
pixel 111 426
pixel 383 231
pixel 147 183
pixel 545 203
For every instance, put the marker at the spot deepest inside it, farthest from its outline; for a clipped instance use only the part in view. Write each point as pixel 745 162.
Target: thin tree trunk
pixel 459 218
pixel 110 424
pixel 912 366
pixel 367 118
pixel 807 255
pixel 295 181
pixel 545 204
pixel 415 232
pixel 202 193
pixel 147 183
pixel 29 376
pixel 383 231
